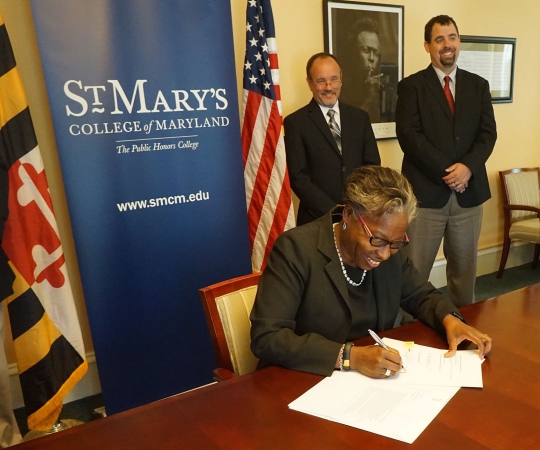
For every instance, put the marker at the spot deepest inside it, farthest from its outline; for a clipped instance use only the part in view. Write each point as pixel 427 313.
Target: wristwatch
pixel 347 356
pixel 457 316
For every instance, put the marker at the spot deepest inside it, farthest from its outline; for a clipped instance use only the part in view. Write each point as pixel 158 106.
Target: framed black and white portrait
pixel 367 40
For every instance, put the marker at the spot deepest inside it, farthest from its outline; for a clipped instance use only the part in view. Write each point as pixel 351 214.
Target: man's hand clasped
pixel 458 177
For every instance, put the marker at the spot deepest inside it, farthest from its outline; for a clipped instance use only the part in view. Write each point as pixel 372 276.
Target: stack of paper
pixel 399 407
pixel 427 366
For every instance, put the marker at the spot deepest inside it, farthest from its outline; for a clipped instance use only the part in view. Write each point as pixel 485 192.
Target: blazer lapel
pixel 433 83
pixel 317 116
pixel 333 268
pixel 461 88
pixel 347 126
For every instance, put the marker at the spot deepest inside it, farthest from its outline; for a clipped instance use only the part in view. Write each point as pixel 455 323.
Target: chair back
pixel 227 306
pixel 521 187
pixel 521 209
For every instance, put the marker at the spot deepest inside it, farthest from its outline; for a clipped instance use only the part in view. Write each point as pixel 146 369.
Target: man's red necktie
pixel 448 93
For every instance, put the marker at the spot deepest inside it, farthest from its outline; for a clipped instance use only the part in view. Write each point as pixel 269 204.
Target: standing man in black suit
pixel 325 141
pixel 446 128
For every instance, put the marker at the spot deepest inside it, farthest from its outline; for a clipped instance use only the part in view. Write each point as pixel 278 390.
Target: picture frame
pixel 367 40
pixel 493 58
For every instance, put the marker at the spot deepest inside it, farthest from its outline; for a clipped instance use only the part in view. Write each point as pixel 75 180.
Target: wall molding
pixel 488 262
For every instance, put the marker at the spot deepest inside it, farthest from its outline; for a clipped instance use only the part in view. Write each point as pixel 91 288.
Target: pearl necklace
pixel 343 266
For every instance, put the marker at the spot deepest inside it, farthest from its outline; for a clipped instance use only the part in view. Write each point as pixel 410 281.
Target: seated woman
pixel 327 282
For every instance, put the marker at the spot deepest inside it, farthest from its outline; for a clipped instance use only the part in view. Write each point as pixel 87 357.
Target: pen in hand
pixel 379 341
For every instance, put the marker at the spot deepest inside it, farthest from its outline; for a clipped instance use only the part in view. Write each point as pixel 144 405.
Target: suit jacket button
pixel 344 169
pixel 457 138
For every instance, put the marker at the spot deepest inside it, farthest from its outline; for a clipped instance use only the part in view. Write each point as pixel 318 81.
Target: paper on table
pixel 384 407
pixel 427 366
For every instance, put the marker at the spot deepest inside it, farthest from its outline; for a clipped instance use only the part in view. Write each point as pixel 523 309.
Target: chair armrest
pixel 221 374
pixel 521 208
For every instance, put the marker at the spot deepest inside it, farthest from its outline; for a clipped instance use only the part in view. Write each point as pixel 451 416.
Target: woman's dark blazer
pixel 302 316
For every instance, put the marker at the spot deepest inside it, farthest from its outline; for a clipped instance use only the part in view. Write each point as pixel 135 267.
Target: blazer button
pixel 343 169
pixel 457 138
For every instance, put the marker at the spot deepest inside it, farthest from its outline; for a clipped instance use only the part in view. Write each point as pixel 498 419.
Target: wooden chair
pixel 521 207
pixel 227 306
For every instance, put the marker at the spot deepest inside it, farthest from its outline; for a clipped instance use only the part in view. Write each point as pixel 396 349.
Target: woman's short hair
pixel 374 191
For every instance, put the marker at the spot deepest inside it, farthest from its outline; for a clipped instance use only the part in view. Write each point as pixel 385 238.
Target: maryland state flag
pixel 44 323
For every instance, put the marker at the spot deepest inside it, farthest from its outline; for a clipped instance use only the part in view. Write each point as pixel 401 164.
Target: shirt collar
pixel 325 109
pixel 441 75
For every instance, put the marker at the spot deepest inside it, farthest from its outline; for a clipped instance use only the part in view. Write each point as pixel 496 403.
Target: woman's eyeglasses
pixel 380 242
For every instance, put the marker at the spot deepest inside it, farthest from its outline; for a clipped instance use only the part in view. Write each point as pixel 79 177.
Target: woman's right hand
pixel 374 361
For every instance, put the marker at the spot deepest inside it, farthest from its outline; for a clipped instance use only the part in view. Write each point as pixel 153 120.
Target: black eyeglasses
pixel 380 242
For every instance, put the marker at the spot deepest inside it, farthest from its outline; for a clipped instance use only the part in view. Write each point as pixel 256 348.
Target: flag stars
pixel 258 76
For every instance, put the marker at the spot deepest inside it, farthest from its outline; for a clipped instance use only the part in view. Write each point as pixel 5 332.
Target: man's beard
pixel 448 61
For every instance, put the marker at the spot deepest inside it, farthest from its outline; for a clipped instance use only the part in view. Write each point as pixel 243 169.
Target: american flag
pixel 268 193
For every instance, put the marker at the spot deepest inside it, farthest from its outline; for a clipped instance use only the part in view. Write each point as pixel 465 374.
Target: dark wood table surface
pixel 250 412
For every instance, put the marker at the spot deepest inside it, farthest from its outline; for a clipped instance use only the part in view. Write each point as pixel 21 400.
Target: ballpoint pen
pixel 379 341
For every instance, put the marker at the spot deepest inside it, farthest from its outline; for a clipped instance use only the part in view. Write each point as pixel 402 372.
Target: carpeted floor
pixel 487 286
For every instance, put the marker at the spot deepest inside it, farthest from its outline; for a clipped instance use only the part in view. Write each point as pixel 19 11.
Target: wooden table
pixel 250 412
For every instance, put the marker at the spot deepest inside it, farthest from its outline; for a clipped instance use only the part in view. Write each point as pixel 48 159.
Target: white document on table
pixel 382 406
pixel 427 366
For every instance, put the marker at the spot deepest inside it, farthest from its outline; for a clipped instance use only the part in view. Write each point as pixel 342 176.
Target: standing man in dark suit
pixel 325 141
pixel 446 128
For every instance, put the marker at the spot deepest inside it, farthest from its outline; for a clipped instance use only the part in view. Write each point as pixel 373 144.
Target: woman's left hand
pixel 457 332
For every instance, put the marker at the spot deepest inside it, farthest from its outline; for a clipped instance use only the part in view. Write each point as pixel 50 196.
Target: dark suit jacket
pixel 317 170
pixel 432 139
pixel 302 316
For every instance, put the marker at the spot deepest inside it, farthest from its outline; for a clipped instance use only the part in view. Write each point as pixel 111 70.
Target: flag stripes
pixel 46 334
pixel 268 193
pixel 37 384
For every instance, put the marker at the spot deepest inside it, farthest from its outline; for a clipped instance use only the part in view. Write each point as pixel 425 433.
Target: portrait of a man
pixel 366 40
pixel 366 76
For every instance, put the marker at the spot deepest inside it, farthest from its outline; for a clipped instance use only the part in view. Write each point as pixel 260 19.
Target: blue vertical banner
pixel 145 110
